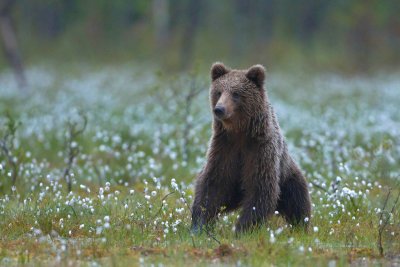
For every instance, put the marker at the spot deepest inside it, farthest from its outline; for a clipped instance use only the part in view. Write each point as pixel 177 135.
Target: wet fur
pixel 248 164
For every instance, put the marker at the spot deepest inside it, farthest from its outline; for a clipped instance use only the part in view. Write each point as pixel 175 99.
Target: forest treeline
pixel 344 33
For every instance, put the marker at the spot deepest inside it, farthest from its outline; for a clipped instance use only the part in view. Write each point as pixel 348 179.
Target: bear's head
pixel 237 96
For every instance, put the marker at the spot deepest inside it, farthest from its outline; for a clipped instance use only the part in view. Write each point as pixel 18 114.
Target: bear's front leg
pixel 207 203
pixel 201 216
pixel 260 200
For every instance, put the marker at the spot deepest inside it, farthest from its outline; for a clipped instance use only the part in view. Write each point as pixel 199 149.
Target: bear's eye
pixel 235 95
pixel 218 93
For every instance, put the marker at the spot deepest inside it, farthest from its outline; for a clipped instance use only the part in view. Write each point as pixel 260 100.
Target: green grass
pixel 126 209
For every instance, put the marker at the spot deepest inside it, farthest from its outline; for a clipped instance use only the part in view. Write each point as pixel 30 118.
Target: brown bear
pixel 248 164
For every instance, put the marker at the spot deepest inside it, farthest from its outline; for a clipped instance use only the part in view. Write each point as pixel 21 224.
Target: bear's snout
pixel 219 111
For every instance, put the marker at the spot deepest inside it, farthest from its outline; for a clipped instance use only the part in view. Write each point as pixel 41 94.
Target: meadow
pixel 97 166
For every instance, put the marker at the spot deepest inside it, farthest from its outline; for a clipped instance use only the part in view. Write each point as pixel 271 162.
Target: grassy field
pixel 129 143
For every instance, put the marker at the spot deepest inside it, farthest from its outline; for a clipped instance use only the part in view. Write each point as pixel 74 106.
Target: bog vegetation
pixel 97 166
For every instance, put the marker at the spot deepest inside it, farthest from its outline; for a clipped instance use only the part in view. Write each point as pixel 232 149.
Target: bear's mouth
pixel 224 119
pixel 227 122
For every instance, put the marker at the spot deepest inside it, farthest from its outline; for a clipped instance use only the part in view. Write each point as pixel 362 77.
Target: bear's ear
pixel 256 74
pixel 217 70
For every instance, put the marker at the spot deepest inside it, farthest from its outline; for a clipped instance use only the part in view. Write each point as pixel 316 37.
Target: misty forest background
pixel 346 36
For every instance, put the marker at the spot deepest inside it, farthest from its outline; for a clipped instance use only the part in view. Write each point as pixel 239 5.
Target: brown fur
pixel 248 164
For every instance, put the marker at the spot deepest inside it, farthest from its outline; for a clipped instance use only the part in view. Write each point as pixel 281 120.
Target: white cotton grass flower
pixel 279 231
pixel 346 192
pixel 174 185
pixel 272 238
pixel 99 230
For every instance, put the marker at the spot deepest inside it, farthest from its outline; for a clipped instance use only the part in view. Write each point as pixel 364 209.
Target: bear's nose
pixel 219 111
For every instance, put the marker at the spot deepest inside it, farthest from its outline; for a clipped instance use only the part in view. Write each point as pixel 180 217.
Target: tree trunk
pixel 161 22
pixel 10 44
pixel 189 33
